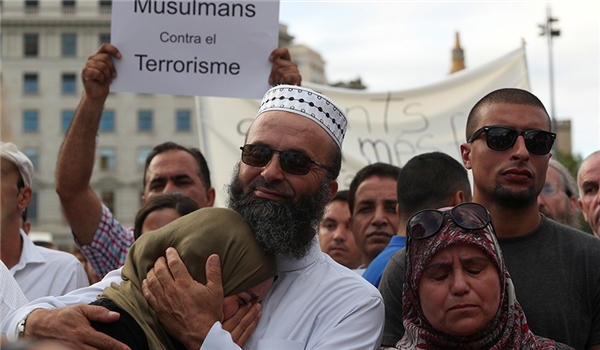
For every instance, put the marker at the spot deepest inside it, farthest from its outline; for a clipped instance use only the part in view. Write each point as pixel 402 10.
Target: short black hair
pixel 376 169
pixel 168 146
pixel 428 181
pixel 182 204
pixel 506 95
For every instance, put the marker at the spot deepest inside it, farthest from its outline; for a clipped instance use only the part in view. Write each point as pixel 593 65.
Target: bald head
pixel 588 180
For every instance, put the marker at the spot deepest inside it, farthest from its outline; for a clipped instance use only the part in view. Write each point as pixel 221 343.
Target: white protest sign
pixel 196 48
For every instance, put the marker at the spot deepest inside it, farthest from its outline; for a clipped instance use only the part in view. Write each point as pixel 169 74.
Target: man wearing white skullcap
pixel 38 271
pixel 286 177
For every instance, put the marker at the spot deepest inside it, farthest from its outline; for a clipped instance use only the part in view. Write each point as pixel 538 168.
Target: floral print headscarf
pixel 507 330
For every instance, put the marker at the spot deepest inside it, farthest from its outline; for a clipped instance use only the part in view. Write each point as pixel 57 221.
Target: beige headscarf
pixel 195 236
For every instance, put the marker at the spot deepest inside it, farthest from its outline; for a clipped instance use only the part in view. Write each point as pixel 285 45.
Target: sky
pixel 399 45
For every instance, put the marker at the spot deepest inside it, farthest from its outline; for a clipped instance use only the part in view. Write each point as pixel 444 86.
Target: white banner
pixel 389 127
pixel 195 48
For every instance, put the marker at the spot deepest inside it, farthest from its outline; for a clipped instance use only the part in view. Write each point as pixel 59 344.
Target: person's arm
pixel 66 317
pixel 82 208
pixel 108 250
pixel 283 71
pixel 391 289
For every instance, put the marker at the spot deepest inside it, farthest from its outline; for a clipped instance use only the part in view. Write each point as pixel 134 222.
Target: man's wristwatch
pixel 21 326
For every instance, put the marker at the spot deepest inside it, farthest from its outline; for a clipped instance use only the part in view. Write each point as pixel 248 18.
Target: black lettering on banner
pixel 243 125
pixel 370 150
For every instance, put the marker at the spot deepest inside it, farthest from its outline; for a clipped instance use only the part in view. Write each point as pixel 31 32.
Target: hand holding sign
pixel 99 72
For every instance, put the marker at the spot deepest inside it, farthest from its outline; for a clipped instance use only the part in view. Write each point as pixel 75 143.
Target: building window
pixel 31 44
pixel 182 120
pixel 105 6
pixel 30 120
pixel 142 154
pixel 107 121
pixel 30 83
pixel 104 38
pixel 69 45
pixel 108 198
pixel 34 156
pixel 69 85
pixel 66 118
pixel 107 158
pixel 31 6
pixel 144 120
pixel 68 6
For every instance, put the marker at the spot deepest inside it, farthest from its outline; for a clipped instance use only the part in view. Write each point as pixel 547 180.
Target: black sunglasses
pixel 292 162
pixel 501 138
pixel 426 223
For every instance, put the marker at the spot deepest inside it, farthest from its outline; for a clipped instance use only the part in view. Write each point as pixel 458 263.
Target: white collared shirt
pixel 42 272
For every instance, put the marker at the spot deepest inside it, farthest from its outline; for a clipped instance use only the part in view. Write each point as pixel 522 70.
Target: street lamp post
pixel 550 32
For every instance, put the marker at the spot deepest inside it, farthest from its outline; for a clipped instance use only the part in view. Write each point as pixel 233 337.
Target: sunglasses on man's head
pixel 501 138
pixel 426 223
pixel 293 162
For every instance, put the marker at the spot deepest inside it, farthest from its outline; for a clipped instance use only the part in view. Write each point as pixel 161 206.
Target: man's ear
pixel 333 188
pixel 25 194
pixel 210 196
pixel 465 153
pixel 457 198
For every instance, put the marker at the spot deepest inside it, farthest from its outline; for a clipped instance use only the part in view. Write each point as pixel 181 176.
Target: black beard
pixel 521 199
pixel 284 229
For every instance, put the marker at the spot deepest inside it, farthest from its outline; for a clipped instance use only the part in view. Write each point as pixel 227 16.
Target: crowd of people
pixel 416 257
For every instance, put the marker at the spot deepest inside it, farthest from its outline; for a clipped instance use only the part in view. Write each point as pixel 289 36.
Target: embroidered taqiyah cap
pixel 10 151
pixel 309 104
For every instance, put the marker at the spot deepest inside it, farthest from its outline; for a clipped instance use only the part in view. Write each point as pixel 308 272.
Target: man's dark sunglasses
pixel 292 162
pixel 426 223
pixel 501 138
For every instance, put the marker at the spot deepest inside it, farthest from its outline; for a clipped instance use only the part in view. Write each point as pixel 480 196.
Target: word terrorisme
pixel 191 66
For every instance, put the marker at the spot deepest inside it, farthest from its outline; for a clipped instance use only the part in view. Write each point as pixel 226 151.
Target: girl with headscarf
pixel 458 293
pixel 195 236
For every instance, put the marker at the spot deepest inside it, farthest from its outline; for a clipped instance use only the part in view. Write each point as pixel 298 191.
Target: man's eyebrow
pixel 367 201
pixel 181 176
pixel 157 179
pixel 589 183
pixel 175 177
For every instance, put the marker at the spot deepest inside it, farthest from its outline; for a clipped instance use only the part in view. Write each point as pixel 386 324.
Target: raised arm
pixel 83 209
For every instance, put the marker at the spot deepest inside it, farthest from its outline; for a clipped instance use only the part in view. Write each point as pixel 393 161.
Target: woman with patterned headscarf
pixel 458 293
pixel 247 272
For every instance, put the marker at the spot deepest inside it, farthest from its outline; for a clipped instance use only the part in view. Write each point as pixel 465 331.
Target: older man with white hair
pixel 558 199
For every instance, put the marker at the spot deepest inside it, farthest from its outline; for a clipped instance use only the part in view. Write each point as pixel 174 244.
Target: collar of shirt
pixel 29 254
